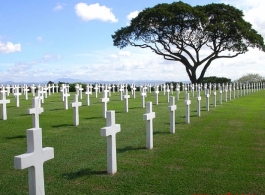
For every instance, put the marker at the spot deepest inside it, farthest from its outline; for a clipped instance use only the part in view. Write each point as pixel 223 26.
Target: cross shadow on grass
pixel 129 148
pixel 94 117
pixel 17 137
pixel 62 125
pixel 159 132
pixel 82 173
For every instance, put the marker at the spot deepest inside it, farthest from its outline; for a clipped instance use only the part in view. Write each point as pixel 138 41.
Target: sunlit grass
pixel 222 151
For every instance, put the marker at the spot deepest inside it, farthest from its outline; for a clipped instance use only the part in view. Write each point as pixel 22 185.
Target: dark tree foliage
pixel 180 32
pixel 214 79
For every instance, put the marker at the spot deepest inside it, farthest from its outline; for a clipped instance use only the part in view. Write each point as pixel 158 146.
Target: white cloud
pixel 58 7
pixel 39 38
pixel 125 53
pixel 94 12
pixel 132 15
pixel 9 47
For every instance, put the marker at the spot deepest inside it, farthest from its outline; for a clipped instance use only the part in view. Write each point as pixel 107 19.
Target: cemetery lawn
pixel 222 151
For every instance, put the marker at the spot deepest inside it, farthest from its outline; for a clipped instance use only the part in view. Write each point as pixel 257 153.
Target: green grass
pixel 222 151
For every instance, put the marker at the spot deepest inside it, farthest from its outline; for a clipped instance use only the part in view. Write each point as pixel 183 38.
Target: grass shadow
pixel 129 148
pixel 56 109
pixel 62 125
pixel 17 137
pixel 94 117
pixel 159 132
pixel 82 173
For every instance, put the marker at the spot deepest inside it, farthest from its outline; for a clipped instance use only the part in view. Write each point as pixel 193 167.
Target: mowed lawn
pixel 222 151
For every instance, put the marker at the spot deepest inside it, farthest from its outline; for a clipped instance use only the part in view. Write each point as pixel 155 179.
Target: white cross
pixel 172 109
pixel 110 132
pixel 4 101
pixel 199 101
pixel 207 100
pixel 104 100
pixel 33 89
pixel 65 96
pixel 88 92
pixel 33 159
pixel 80 91
pixel 36 111
pixel 75 104
pixel 126 97
pixel 156 93
pixel 17 94
pixel 149 116
pixel 187 103
pixel 96 90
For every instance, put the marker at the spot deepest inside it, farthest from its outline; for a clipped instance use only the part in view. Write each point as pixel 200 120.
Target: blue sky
pixel 46 40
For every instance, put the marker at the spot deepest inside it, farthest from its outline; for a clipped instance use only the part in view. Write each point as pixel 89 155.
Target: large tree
pixel 182 33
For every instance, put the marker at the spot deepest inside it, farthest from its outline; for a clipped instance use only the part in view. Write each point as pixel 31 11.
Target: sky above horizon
pixel 42 41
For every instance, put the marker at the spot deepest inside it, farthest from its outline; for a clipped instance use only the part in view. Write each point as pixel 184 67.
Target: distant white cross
pixel 4 101
pixel 187 103
pixel 172 109
pixel 126 103
pixel 36 111
pixel 104 100
pixel 76 105
pixel 148 117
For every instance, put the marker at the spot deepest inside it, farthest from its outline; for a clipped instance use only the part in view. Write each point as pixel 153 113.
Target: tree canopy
pixel 214 79
pixel 250 78
pixel 194 36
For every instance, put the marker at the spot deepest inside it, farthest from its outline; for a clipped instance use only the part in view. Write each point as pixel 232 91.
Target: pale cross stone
pixel 226 90
pixel 33 89
pixel 164 89
pixel 187 104
pixel 75 105
pixel 77 88
pixel 230 91
pixel 214 96
pixel 171 88
pixel 134 91
pixel 40 97
pixel 168 91
pixel 40 93
pixel 148 117
pixel 56 88
pixel 53 88
pixel 49 89
pixel 109 89
pixel 17 94
pixel 88 92
pixel 177 92
pixel 8 89
pixel 45 89
pixel 156 93
pixel 172 109
pixel 104 100
pixel 113 88
pixel 126 104
pixel 143 94
pixel 36 110
pixel 192 89
pixel 33 160
pixel 4 101
pixel 221 95
pixel 80 89
pixel 207 100
pixel 65 96
pixel 26 90
pixel 96 90
pixel 110 132
pixel 199 101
